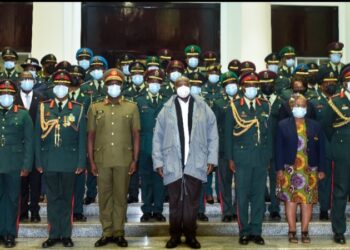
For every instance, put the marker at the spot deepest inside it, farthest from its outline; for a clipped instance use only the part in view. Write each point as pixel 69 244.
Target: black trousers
pixel 30 190
pixel 183 206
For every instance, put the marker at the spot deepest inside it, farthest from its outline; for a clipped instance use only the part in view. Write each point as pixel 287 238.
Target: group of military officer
pixel 247 105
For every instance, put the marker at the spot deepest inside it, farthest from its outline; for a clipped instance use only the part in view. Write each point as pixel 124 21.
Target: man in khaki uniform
pixel 113 147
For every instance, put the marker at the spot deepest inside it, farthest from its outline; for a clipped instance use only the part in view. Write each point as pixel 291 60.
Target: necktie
pixel 268 98
pixel 99 86
pixel 73 96
pixel 251 107
pixel 137 89
pixel 60 106
pixel 154 101
pixel 27 106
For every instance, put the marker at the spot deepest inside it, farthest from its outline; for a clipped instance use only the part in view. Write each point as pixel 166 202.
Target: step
pixel 134 228
pixel 211 242
pixel 135 209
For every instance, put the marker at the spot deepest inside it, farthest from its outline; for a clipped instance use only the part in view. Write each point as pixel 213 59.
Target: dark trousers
pixel 134 185
pixel 275 204
pixel 91 185
pixel 324 188
pixel 10 186
pixel 60 200
pixel 183 206
pixel 79 190
pixel 152 187
pixel 30 190
pixel 202 198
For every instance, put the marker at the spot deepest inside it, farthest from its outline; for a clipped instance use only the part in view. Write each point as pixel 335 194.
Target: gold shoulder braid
pixel 47 126
pixel 245 124
pixel 345 119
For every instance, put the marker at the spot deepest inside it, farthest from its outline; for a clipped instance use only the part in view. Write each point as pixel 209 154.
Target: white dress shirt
pixel 184 111
pixel 27 99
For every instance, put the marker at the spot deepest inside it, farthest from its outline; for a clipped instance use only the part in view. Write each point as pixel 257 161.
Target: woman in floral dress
pixel 300 159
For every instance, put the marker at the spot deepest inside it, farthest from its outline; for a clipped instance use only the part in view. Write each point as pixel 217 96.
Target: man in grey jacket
pixel 185 149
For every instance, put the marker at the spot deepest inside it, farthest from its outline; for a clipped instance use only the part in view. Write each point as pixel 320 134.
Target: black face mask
pixel 76 81
pixel 300 91
pixel 50 69
pixel 312 80
pixel 267 89
pixel 331 89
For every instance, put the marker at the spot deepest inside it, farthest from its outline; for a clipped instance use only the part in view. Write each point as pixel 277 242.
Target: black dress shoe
pixel 49 243
pixel 89 200
pixel 210 199
pixel 193 243
pixel 35 218
pixel 9 241
pixel 145 217
pixel 120 241
pixel 173 242
pixel 67 242
pixel 324 215
pixel 132 200
pixel 234 217
pixel 257 239
pixel 275 216
pixel 158 217
pixel 227 218
pixel 166 199
pixel 103 241
pixel 339 238
pixel 202 217
pixel 243 240
pixel 79 217
pixel 2 240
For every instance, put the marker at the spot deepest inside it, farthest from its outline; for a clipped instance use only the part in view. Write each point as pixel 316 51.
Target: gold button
pixel 112 123
pixel 256 144
pixel 112 133
pixel 3 119
pixel 241 146
pixel 59 117
pixel 3 127
pixel 112 113
pixel 112 105
pixel 341 140
pixel 112 143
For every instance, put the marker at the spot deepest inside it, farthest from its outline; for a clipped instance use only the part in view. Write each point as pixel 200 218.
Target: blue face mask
pixel 195 90
pixel 6 100
pixel 154 88
pixel 33 72
pixel 213 78
pixel 251 92
pixel 290 62
pixel 85 64
pixel 299 112
pixel 193 62
pixel 273 68
pixel 27 84
pixel 137 79
pixel 175 75
pixel 335 58
pixel 113 90
pixel 60 91
pixel 97 74
pixel 126 69
pixel 231 89
pixel 9 64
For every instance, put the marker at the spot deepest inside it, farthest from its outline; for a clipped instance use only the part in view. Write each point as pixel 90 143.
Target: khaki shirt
pixel 113 124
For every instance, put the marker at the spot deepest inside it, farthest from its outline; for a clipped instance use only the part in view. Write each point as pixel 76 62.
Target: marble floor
pixel 213 242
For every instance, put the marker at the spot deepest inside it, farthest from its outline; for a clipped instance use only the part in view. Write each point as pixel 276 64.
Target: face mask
pixel 290 62
pixel 154 88
pixel 348 86
pixel 85 64
pixel 195 90
pixel 193 62
pixel 137 79
pixel 213 78
pixel 27 84
pixel 251 92
pixel 335 58
pixel 60 91
pixel 33 72
pixel 174 75
pixel 267 89
pixel 97 74
pixel 114 90
pixel 273 68
pixel 126 69
pixel 312 80
pixel 9 64
pixel 50 69
pixel 331 89
pixel 299 112
pixel 6 100
pixel 153 68
pixel 231 89
pixel 76 81
pixel 183 91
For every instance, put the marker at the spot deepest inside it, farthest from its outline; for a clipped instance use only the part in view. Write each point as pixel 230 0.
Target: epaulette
pixel 336 95
pixel 100 99
pixel 128 100
pixel 46 101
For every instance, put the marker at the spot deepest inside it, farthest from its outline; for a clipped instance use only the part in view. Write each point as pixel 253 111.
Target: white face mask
pixel 193 62
pixel 27 84
pixel 290 62
pixel 251 92
pixel 231 89
pixel 195 90
pixel 6 100
pixel 33 72
pixel 60 91
pixel 114 90
pixel 273 68
pixel 97 74
pixel 348 86
pixel 9 64
pixel 174 75
pixel 299 112
pixel 126 69
pixel 85 64
pixel 154 88
pixel 213 78
pixel 183 91
pixel 137 79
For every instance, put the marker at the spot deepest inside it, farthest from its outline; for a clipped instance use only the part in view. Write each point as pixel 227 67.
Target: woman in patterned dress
pixel 300 159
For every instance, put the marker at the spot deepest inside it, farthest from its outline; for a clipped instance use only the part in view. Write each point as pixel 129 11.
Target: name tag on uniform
pixel 243 114
pixel 264 114
pixel 316 138
pixel 320 106
pixel 344 107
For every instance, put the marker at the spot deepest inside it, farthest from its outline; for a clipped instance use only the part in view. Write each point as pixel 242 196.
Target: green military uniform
pixel 168 88
pixel 220 107
pixel 192 51
pixel 165 55
pixel 112 125
pixel 284 72
pixel 60 147
pixel 16 152
pixel 125 60
pixel 247 145
pixel 209 58
pixel 234 66
pixel 9 73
